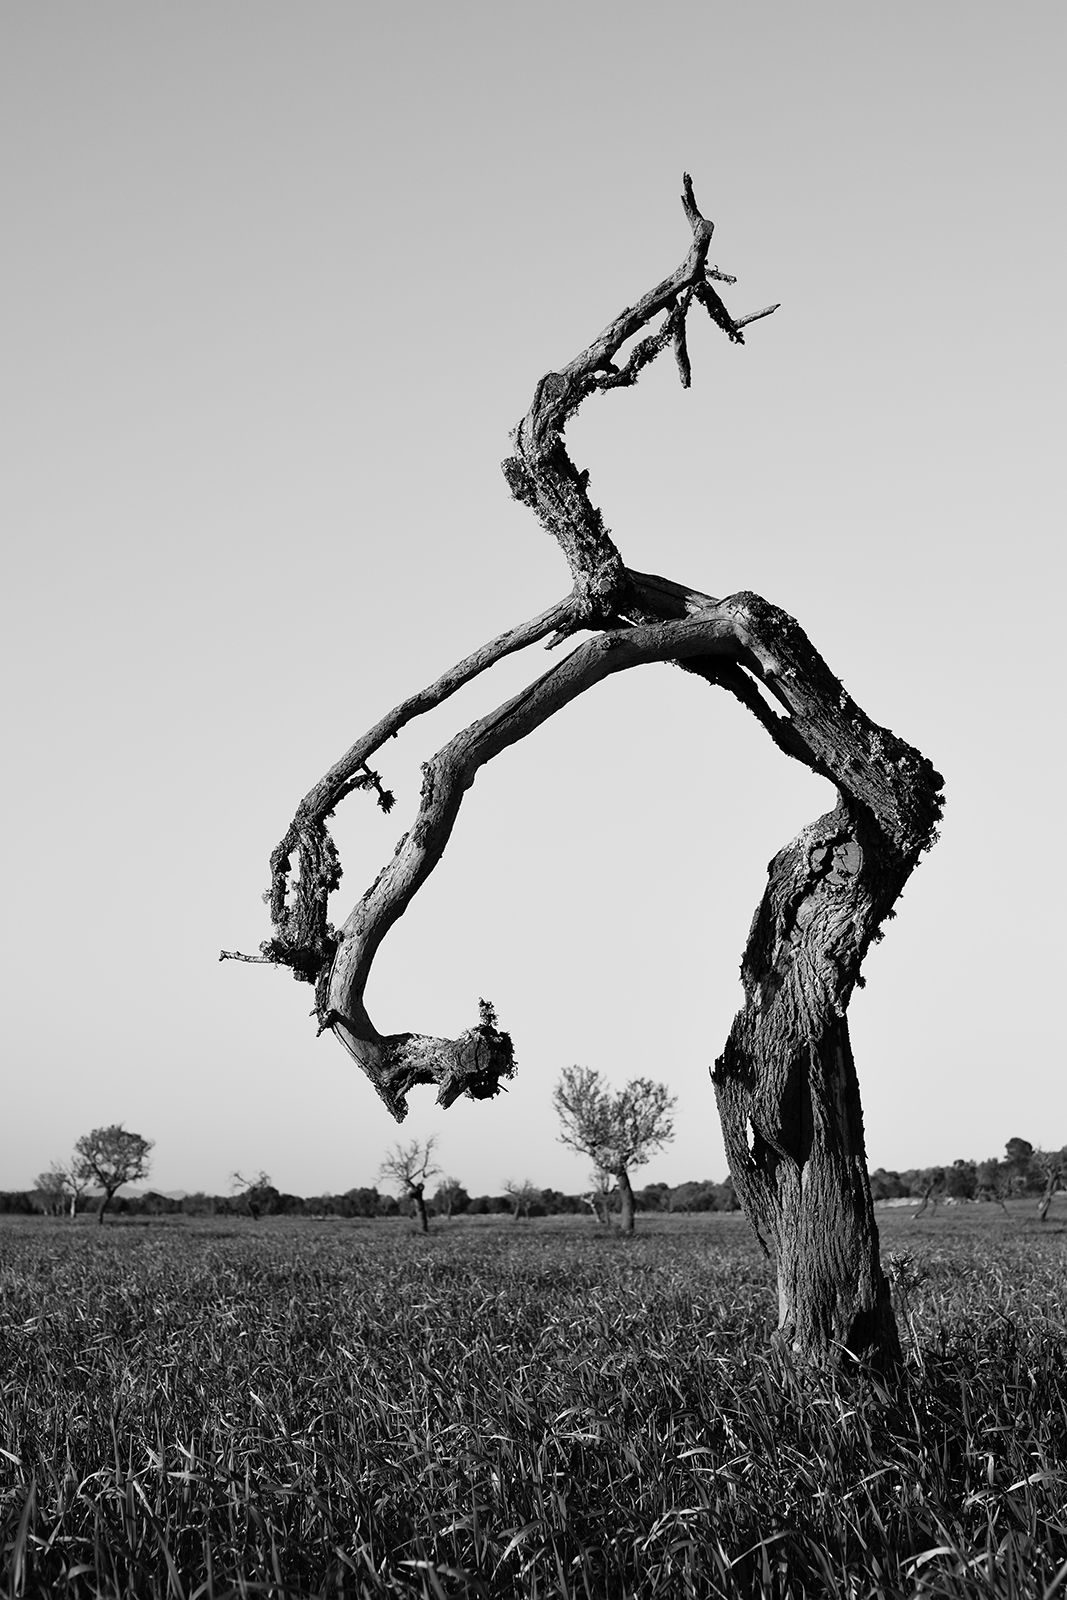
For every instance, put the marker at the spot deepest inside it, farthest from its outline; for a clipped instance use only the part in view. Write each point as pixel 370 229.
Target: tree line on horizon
pixel 1023 1172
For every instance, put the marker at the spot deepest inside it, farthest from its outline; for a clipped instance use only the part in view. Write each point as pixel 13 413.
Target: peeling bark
pixel 786 1082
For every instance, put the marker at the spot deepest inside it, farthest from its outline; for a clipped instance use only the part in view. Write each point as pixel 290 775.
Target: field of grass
pixel 206 1409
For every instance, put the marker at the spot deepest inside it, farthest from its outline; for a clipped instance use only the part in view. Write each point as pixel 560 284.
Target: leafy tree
pixel 786 1083
pixel 1018 1158
pixel 450 1196
pixel 410 1167
pixel 961 1180
pixel 617 1131
pixel 993 1182
pixel 887 1185
pixel 361 1202
pixel 111 1156
pixel 523 1194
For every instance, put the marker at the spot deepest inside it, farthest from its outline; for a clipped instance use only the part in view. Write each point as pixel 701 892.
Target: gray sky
pixel 278 281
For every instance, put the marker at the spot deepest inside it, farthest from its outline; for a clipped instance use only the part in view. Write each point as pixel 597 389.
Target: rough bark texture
pixel 785 1083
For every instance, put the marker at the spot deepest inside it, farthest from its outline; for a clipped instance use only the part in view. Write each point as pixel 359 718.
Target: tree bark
pixel 420 1210
pixel 626 1200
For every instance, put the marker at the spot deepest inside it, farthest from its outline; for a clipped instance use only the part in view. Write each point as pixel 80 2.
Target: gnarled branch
pixel 786 1083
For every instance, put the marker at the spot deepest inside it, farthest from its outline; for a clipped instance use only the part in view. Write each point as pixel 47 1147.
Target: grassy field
pixel 206 1409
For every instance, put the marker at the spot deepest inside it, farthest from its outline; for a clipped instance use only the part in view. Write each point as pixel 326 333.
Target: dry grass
pixel 343 1408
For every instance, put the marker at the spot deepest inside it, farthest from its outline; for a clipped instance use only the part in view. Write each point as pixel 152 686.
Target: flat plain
pixel 215 1407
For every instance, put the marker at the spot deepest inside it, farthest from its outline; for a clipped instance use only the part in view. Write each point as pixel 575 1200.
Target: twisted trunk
pixel 786 1082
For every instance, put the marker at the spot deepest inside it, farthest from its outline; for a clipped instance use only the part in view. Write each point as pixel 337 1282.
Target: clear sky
pixel 278 281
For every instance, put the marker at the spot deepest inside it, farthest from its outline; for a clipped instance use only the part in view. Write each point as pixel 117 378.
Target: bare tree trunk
pixel 799 1167
pixel 420 1210
pixel 626 1200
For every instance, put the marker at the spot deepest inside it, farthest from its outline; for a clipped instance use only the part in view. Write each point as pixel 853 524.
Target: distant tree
pixel 450 1196
pixel 992 1182
pixel 933 1189
pixel 618 1131
pixel 654 1197
pixel 111 1156
pixel 1019 1157
pixel 76 1178
pixel 599 1196
pixel 253 1192
pixel 523 1194
pixel 410 1167
pixel 961 1180
pixel 1052 1166
pixel 361 1202
pixel 51 1192
pixel 887 1185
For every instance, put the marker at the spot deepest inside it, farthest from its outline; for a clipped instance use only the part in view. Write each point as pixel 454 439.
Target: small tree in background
pixel 451 1196
pixel 992 1182
pixel 598 1197
pixel 1019 1159
pixel 1051 1166
pixel 251 1191
pixel 51 1192
pixel 111 1157
pixel 410 1167
pixel 618 1131
pixel 523 1194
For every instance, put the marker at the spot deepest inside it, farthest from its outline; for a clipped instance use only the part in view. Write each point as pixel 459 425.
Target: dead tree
pixel 785 1083
pixel 410 1167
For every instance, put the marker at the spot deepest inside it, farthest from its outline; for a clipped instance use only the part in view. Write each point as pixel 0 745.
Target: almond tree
pixel 617 1131
pixel 111 1156
pixel 785 1083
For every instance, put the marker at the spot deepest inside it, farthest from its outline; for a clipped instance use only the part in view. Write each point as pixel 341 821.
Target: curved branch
pixel 786 1083
pixel 881 775
pixel 303 938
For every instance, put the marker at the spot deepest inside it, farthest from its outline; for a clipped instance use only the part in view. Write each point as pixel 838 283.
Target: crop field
pixel 297 1408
